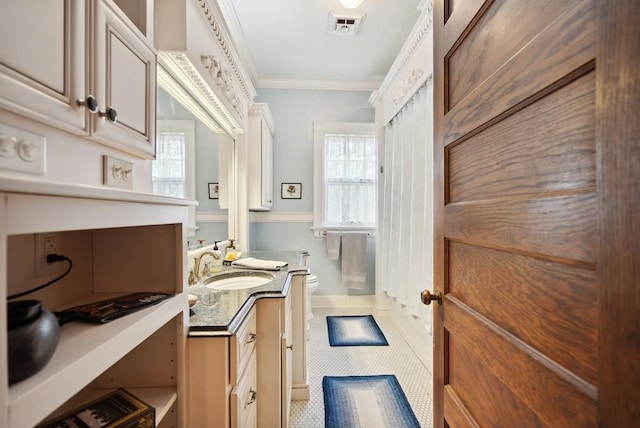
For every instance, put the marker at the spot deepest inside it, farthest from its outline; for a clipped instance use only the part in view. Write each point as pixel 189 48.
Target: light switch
pixel 117 172
pixel 22 151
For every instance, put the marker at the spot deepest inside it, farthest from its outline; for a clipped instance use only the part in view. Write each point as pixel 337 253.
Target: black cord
pixel 51 258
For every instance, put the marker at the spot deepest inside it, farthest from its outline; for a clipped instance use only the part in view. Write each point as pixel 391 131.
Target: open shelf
pixel 160 398
pixel 83 353
pixel 120 243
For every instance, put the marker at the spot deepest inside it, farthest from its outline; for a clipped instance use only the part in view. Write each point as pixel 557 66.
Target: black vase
pixel 32 338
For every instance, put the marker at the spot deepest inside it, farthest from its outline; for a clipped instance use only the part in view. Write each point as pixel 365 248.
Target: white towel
pixel 333 245
pixel 251 263
pixel 354 260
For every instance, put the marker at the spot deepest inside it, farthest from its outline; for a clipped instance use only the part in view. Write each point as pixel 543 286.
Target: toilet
pixel 312 286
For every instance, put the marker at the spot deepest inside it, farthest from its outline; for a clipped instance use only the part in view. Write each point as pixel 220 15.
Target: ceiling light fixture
pixel 351 4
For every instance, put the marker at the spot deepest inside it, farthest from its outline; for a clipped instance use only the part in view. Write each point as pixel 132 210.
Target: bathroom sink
pixel 238 280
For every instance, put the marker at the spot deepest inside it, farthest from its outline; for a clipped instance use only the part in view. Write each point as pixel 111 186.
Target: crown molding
pixel 262 110
pixel 327 85
pixel 230 17
pixel 420 30
pixel 215 18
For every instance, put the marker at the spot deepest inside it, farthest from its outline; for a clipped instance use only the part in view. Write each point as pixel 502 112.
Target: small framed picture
pixel 214 190
pixel 291 191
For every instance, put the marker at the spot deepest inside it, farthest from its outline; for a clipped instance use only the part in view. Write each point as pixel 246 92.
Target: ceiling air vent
pixel 346 25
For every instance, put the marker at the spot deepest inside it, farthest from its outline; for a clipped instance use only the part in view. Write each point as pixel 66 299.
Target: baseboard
pixel 300 391
pixel 335 302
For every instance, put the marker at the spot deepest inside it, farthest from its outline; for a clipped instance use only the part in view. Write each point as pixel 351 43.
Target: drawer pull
pixel 252 338
pixel 290 347
pixel 252 399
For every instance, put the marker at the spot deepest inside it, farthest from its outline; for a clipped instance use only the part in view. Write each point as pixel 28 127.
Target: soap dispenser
pixel 216 263
pixel 231 254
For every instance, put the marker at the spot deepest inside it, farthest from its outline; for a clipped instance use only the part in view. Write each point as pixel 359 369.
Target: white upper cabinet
pixel 42 61
pixel 82 67
pixel 260 158
pixel 125 83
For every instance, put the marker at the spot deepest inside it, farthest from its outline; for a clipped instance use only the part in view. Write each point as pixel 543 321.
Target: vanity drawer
pixel 242 344
pixel 244 397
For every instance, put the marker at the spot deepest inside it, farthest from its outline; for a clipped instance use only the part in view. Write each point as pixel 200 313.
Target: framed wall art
pixel 291 191
pixel 214 190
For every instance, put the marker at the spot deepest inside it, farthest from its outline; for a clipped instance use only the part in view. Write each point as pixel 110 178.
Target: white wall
pixel 288 225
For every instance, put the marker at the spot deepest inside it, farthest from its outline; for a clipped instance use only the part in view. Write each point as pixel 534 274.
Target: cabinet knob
pixel 290 347
pixel 110 113
pixel 90 102
pixel 252 398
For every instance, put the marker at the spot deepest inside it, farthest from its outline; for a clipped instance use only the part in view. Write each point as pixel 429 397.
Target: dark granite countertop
pixel 220 312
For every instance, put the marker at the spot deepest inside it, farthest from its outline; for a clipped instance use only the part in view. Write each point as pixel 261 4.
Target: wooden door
pixel 536 206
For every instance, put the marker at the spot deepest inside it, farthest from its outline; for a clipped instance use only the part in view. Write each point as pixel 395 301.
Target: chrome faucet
pixel 197 259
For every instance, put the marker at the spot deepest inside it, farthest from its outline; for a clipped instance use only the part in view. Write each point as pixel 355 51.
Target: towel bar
pixel 323 233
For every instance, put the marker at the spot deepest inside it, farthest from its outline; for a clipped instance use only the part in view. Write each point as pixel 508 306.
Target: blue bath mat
pixel 355 330
pixel 366 401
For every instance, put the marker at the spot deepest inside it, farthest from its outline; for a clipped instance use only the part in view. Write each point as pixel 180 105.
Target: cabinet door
pixel 244 413
pixel 287 374
pixel 42 61
pixel 124 81
pixel 267 166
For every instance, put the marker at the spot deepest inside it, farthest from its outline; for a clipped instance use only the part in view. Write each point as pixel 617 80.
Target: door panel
pixel 486 387
pixel 517 232
pixel 491 43
pixel 552 59
pixel 499 363
pixel 558 227
pixel 516 288
pixel 547 146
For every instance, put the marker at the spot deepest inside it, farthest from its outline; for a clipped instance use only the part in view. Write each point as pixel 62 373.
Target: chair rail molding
pixel 280 217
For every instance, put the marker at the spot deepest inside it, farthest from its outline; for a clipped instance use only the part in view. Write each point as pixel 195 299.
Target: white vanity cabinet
pixel 77 66
pixel 223 390
pixel 248 379
pixel 282 355
pixel 119 243
pixel 260 160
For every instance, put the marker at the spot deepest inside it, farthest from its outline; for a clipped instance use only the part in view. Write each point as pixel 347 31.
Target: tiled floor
pixel 397 359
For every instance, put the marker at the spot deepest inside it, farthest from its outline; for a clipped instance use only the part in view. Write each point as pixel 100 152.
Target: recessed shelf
pixel 83 353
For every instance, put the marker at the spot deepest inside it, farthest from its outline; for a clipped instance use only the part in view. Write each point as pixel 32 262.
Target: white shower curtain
pixel 406 227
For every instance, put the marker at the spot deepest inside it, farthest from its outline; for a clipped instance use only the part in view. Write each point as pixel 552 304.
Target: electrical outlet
pixel 47 243
pixel 117 172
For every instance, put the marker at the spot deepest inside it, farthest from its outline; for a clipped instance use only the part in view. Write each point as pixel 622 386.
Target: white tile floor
pixel 397 358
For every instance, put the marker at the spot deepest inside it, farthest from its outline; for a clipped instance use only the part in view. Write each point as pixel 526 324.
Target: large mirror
pixel 194 160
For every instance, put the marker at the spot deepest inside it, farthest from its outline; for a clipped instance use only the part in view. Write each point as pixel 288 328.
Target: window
pixel 168 170
pixel 345 160
pixel 173 170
